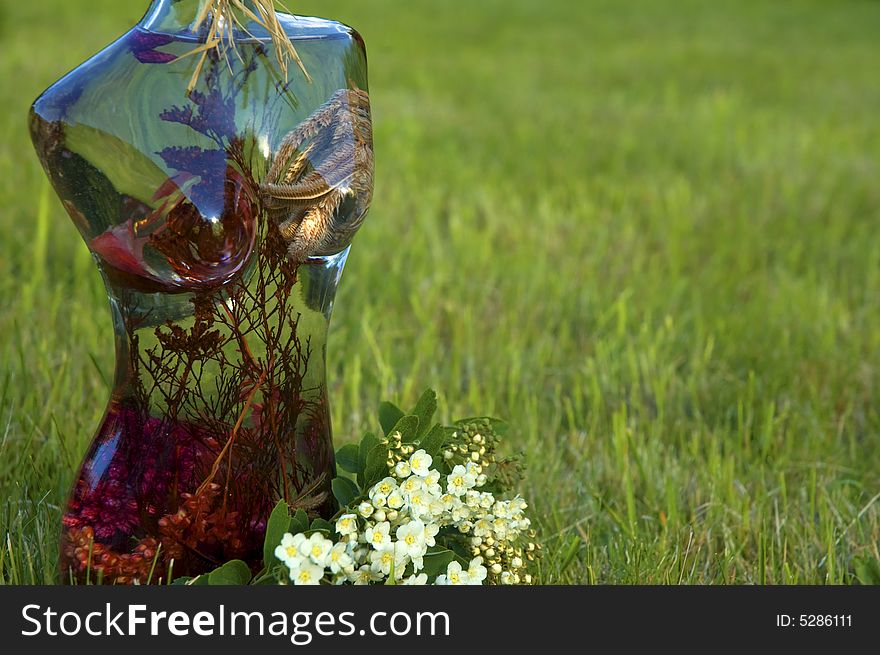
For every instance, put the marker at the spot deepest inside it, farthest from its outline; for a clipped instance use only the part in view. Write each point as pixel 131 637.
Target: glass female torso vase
pixel 220 220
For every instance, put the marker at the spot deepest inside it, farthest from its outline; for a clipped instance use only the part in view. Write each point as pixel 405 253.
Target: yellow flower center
pixel 410 540
pixel 291 551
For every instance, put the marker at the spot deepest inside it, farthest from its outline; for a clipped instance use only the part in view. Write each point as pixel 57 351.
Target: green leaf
pixel 461 550
pixel 131 171
pixel 408 427
pixel 344 490
pixel 266 580
pixel 867 570
pixel 367 444
pixel 299 522
pixel 437 561
pixel 376 467
pixel 391 580
pixel 234 572
pixel 347 458
pixel 279 523
pixel 185 580
pixel 389 415
pixel 321 525
pixel 433 441
pixel 424 410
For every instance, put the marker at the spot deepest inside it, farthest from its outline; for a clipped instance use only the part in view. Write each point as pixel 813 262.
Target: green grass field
pixel 646 233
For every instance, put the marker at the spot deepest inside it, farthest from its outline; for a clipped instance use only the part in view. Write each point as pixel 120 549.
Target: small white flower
pixel 419 503
pixel 307 573
pixel 411 538
pixel 476 571
pixel 415 579
pixel 360 554
pixel 472 499
pixel 483 527
pixel 431 530
pixel 459 481
pixel 347 524
pixel 420 463
pixel 377 535
pixel 499 525
pixel 460 513
pixel 401 469
pixel 454 575
pixel 382 559
pixel 383 487
pixel 432 482
pixel 395 499
pixel 366 509
pixel 364 575
pixel 449 502
pixel 316 548
pixel 288 551
pixel 338 559
pixel 412 484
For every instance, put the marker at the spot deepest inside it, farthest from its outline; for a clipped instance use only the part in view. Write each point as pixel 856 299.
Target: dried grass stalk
pixel 224 17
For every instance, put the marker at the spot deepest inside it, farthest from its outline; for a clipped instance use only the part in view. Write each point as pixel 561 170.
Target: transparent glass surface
pixel 220 220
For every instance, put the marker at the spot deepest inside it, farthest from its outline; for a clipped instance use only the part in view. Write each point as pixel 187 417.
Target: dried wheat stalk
pixel 224 18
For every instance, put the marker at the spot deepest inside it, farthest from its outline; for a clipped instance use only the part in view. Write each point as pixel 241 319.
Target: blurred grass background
pixel 646 233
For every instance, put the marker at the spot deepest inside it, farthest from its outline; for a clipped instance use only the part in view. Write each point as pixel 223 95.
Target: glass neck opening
pixel 175 16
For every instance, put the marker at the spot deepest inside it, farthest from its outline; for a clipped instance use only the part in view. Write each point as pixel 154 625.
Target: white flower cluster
pixel 391 532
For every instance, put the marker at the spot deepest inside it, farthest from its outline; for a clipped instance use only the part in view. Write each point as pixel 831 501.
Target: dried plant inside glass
pixel 218 190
